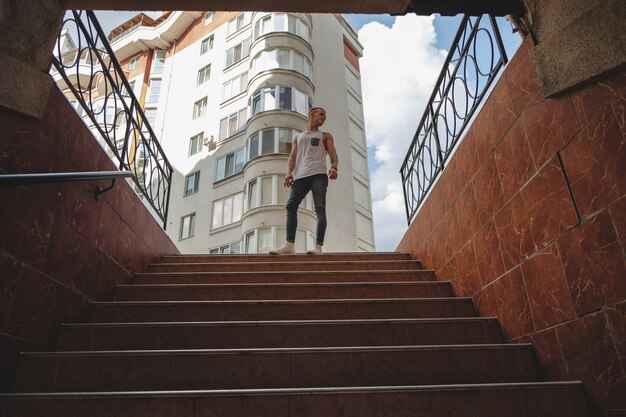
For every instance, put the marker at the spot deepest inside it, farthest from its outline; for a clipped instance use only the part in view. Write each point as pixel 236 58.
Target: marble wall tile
pixel 513 309
pixel 591 356
pixel 522 78
pixel 467 276
pixel 548 292
pixel 485 302
pixel 548 126
pixel 108 226
pixel 548 204
pixel 549 354
pixel 494 120
pixel 258 406
pixel 11 347
pixel 466 156
pixel 125 249
pixel 616 319
pixel 487 192
pixel 619 110
pixel 87 210
pixel 465 211
pixel 592 98
pixel 514 161
pixel 594 264
pixel 618 214
pixel 488 253
pixel 513 228
pixel 595 162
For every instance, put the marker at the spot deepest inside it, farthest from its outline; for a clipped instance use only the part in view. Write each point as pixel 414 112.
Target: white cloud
pixel 399 68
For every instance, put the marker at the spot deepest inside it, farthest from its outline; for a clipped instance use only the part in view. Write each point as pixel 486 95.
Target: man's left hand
pixel 332 174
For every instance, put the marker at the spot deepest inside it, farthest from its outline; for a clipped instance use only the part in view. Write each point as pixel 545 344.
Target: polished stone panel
pixel 514 161
pixel 488 253
pixel 513 308
pixel 549 354
pixel 485 302
pixel 594 264
pixel 616 320
pixel 487 192
pixel 522 78
pixel 548 126
pixel 548 293
pixel 467 278
pixel 595 162
pixel 590 355
pixel 593 97
pixel 514 233
pixel 548 204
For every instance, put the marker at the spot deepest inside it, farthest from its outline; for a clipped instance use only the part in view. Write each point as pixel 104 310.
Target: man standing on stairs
pixel 306 171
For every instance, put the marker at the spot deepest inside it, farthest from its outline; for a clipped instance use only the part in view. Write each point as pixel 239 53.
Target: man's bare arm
pixel 329 143
pixel 291 164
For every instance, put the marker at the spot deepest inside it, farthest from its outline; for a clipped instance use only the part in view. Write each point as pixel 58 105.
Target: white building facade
pixel 225 93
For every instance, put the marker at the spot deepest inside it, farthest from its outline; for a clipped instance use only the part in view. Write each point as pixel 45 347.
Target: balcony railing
pixel 112 111
pixel 476 57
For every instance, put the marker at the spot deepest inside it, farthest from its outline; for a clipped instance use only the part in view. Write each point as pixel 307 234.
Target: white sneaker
pixel 316 251
pixel 288 249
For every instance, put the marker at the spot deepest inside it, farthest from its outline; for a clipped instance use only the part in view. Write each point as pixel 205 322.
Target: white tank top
pixel 310 155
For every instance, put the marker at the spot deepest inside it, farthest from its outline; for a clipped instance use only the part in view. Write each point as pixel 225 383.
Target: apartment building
pixel 225 93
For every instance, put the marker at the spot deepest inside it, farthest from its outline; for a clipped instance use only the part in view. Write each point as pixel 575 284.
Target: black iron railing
pixel 92 78
pixel 475 59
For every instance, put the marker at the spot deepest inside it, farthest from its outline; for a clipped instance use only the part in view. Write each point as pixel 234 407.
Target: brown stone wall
pixel 529 219
pixel 59 247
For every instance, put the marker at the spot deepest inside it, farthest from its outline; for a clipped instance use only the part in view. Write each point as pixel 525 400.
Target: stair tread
pixel 290 284
pixel 248 351
pixel 295 301
pixel 298 391
pixel 283 322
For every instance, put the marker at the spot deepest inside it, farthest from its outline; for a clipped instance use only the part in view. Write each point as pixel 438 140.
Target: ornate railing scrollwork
pixel 85 64
pixel 476 57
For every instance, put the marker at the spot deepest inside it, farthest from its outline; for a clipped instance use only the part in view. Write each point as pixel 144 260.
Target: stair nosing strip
pixel 296 391
pixel 317 272
pixel 378 261
pixel 290 284
pixel 281 322
pixel 282 350
pixel 296 301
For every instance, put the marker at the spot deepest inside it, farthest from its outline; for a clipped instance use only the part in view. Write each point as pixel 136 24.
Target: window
pixel 280 98
pixel 195 143
pixel 253 198
pixel 227 210
pixel 125 92
pixel 237 53
pixel 230 164
pixel 268 141
pixel 134 62
pixel 203 74
pixel 236 24
pixel 234 247
pixel 186 226
pixel 280 22
pixel 150 116
pixel 263 240
pixel 208 18
pixel 235 86
pixel 192 183
pixel 233 124
pixel 281 58
pixel 154 89
pixel 199 108
pixel 159 62
pixel 206 44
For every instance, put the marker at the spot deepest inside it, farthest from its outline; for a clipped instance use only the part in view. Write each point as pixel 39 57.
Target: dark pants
pixel 317 184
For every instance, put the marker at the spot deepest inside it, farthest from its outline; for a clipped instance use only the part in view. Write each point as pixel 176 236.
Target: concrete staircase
pixel 256 335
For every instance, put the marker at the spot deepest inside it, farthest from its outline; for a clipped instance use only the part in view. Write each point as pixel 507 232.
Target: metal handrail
pixel 36 178
pixel 46 177
pixel 458 92
pixel 115 115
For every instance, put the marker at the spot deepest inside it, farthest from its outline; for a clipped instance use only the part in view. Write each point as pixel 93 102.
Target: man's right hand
pixel 288 181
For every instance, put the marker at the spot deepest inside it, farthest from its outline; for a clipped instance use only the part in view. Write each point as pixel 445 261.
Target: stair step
pixel 280 277
pixel 282 291
pixel 237 310
pixel 247 258
pixel 564 399
pixel 283 334
pixel 274 368
pixel 284 266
